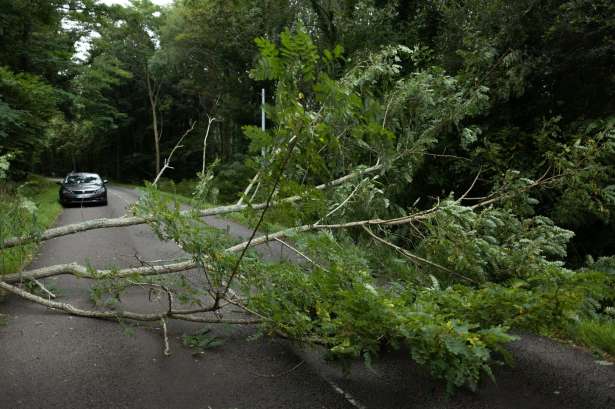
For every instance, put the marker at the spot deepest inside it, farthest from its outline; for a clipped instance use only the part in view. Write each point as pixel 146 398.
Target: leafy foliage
pixel 493 245
pixel 347 312
pixel 201 341
pixel 476 271
pixel 27 104
pixel 438 96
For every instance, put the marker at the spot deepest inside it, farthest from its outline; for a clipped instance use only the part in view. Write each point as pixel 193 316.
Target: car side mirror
pixel 105 181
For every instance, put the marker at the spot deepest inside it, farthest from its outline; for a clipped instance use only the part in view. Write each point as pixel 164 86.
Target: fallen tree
pixel 217 268
pixel 468 273
pixel 127 220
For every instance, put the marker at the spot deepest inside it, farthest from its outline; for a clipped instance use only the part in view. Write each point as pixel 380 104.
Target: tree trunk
pixel 118 141
pixel 153 101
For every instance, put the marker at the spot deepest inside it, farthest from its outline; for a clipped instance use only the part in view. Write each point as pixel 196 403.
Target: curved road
pixel 53 360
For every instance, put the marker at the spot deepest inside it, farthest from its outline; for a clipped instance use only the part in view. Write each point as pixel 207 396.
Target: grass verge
pixel 597 335
pixel 19 218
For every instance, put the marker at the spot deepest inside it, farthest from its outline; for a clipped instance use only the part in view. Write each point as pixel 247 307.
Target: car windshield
pixel 79 179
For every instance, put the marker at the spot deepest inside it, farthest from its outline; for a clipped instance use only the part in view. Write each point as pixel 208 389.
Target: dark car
pixel 80 188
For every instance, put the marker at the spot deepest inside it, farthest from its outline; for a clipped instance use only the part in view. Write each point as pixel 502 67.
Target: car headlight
pixel 100 190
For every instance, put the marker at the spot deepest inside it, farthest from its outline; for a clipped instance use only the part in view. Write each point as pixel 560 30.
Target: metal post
pixel 263 109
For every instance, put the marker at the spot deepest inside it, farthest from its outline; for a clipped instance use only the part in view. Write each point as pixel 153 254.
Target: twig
pixel 467 192
pixel 280 374
pixel 343 202
pixel 291 147
pixel 210 121
pixel 502 190
pixel 540 182
pixel 442 155
pixel 247 190
pixel 386 111
pixel 42 287
pixel 167 348
pixel 168 292
pixel 246 309
pixel 258 185
pixel 414 257
pixel 299 253
pixel 167 161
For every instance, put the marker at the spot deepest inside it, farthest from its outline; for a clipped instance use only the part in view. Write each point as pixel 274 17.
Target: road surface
pixel 53 360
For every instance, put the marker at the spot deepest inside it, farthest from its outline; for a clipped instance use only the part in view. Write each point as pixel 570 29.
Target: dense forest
pixel 486 129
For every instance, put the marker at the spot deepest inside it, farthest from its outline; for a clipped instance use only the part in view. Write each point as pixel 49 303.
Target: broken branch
pixel 124 221
pixel 167 161
pixel 126 315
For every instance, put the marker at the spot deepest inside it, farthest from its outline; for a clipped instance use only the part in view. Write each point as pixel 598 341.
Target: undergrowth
pixel 26 208
pixel 596 334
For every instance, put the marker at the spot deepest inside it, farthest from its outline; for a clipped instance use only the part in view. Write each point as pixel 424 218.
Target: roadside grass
pixel 595 334
pixel 18 219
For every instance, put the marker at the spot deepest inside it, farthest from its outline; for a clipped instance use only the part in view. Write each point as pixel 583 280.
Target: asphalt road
pixel 53 360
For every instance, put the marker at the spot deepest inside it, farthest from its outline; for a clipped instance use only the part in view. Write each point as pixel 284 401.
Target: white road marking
pixel 349 398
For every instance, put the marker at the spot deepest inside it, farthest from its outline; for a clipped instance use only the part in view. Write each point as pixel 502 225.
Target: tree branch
pixel 167 349
pixel 135 220
pixel 167 161
pixel 44 289
pixel 413 257
pixel 210 120
pixel 291 146
pixel 126 315
pixel 80 271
